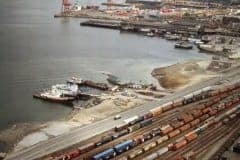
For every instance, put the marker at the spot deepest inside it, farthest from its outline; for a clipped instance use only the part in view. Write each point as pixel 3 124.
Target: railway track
pixel 155 148
pixel 207 138
pixel 157 121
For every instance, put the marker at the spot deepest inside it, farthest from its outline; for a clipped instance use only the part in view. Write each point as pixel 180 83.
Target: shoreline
pixel 115 101
pixel 181 75
pixel 112 103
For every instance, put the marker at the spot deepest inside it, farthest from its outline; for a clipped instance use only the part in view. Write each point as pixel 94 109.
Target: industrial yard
pixel 191 112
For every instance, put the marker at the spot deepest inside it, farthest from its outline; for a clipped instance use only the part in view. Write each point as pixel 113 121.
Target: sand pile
pixel 181 75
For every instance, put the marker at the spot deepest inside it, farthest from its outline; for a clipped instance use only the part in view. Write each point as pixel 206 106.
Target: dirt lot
pixel 183 74
pixel 111 104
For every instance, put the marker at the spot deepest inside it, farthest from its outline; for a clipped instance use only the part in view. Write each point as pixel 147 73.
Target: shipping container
pixel 138 139
pixel 179 144
pixel 130 119
pixel 196 113
pixel 209 104
pixel 188 98
pixel 104 140
pixel 197 95
pixel 148 115
pixel 216 100
pixel 223 96
pixel 235 100
pixel 123 158
pixel 204 117
pixel 73 154
pixel 206 110
pixel 185 117
pixel 167 106
pixel 230 87
pixel 176 123
pixel 174 133
pixel 166 129
pixel 123 146
pixel 149 146
pixel 228 104
pixel 190 136
pixel 119 134
pixel 213 112
pixel 205 95
pixel 178 102
pixel 146 122
pixel 162 139
pixel 223 89
pixel 147 136
pixel 225 121
pixel 161 151
pixel 206 89
pixel 201 107
pixel 170 146
pixel 155 132
pixel 152 156
pixel 198 92
pixel 121 127
pixel 179 139
pixel 139 119
pixel 135 153
pixel 134 127
pixel 221 107
pixel 214 92
pixel 237 85
pixel 156 111
pixel 86 148
pixel 195 122
pixel 185 127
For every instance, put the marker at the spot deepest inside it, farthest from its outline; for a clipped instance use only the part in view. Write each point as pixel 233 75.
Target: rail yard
pixel 182 121
pixel 170 130
pixel 187 123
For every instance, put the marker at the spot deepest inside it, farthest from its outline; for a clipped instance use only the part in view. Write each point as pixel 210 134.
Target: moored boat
pixel 183 45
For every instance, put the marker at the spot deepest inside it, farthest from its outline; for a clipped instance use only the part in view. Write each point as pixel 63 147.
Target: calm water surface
pixel 37 50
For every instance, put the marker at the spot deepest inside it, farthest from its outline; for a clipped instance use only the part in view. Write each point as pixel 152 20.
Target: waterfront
pixel 38 50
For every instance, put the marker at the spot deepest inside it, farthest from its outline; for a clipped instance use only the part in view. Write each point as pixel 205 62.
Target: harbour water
pixel 38 51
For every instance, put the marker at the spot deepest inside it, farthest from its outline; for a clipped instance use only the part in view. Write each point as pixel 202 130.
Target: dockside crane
pixel 66 4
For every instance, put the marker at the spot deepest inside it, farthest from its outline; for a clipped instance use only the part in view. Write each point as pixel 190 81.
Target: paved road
pixel 79 134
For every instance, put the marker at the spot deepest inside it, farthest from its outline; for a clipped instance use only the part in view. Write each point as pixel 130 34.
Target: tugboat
pixel 184 45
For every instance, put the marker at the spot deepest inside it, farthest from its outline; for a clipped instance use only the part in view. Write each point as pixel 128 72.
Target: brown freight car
pixel 190 136
pixel 156 111
pixel 176 123
pixel 179 144
pixel 185 127
pixel 195 122
pixel 166 129
pixel 174 133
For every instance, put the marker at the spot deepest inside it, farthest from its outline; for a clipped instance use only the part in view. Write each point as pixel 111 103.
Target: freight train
pixel 187 138
pixel 137 122
pixel 177 126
